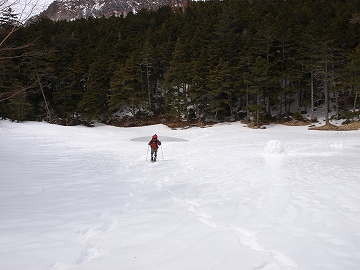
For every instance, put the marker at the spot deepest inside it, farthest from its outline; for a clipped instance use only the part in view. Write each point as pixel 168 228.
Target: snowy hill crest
pixel 77 9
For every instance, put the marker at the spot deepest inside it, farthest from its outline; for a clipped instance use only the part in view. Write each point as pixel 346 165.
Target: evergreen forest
pixel 214 61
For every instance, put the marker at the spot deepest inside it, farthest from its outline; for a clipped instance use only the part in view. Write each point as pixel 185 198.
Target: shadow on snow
pixel 161 138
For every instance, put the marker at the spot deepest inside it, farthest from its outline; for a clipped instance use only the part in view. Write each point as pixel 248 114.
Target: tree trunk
pixel 268 107
pixel 326 90
pixel 258 111
pixel 280 106
pixel 299 94
pixel 148 85
pixel 337 104
pixel 48 115
pixel 326 104
pixel 355 100
pixel 247 104
pixel 312 94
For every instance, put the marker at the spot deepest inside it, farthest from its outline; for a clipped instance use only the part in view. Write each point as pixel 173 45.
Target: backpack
pixel 155 143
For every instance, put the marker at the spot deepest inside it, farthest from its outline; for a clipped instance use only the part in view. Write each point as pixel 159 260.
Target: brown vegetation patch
pixel 171 122
pixel 130 122
pixel 347 127
pixel 70 122
pixel 352 126
pixel 251 124
pixel 295 123
pixel 188 124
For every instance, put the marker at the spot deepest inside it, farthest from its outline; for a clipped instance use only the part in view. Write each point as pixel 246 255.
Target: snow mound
pixel 274 147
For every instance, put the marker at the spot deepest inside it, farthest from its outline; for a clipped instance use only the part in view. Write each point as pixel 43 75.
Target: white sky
pixel 26 8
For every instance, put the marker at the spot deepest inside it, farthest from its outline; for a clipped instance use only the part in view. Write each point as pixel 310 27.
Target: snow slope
pixel 223 197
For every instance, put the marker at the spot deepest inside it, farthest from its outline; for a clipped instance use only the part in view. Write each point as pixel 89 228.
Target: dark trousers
pixel 153 154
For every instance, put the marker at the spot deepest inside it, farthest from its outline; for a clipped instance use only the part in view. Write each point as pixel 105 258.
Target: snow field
pixel 223 197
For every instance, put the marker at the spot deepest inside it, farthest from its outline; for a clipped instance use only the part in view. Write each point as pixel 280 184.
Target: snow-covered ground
pixel 223 197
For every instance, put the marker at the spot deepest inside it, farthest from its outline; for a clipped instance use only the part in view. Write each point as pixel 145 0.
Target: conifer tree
pixel 198 91
pixel 324 71
pixel 309 57
pixel 126 91
pixel 177 82
pixel 62 61
pixel 221 89
pixel 257 80
pixel 352 76
pixel 146 62
pixel 94 104
pixel 15 78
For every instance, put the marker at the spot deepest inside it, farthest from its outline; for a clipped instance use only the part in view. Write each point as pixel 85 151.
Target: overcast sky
pixel 27 8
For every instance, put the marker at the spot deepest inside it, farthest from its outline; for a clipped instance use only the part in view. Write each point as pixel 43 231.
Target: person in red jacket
pixel 154 145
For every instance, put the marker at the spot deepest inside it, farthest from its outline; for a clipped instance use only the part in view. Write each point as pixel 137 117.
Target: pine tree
pixel 94 104
pixel 353 75
pixel 177 82
pixel 8 17
pixel 126 92
pixel 62 61
pixel 15 76
pixel 147 62
pixel 257 79
pixel 221 89
pixel 198 91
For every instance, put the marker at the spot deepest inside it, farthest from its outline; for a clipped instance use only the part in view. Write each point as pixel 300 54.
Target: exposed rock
pixel 76 9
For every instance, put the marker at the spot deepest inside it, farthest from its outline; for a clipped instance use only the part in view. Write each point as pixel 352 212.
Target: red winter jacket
pixel 154 143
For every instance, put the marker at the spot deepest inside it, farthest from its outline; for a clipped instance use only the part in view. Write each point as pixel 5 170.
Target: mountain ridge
pixel 77 9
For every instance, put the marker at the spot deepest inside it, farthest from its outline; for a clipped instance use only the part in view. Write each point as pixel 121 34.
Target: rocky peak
pixel 77 9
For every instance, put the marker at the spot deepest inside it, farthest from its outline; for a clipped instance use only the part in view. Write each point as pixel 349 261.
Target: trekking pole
pixel 162 154
pixel 147 153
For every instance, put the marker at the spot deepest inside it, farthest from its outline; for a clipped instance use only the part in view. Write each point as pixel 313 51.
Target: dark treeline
pixel 217 60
